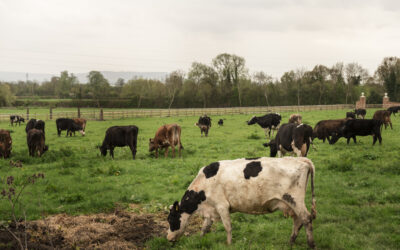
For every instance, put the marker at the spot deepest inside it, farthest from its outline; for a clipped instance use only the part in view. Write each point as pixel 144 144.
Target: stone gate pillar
pixel 362 103
pixel 385 102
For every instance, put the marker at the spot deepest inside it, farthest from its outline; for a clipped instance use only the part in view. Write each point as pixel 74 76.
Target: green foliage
pixel 225 82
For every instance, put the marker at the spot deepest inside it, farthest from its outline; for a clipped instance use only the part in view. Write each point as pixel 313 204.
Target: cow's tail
pixel 313 201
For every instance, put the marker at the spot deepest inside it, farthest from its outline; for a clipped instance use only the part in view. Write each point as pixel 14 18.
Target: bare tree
pixel 173 83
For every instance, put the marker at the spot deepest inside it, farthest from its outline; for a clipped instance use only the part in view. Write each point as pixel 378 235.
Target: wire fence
pixel 100 114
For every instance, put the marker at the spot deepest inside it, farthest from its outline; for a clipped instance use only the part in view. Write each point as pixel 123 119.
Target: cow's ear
pixel 149 139
pixel 266 144
pixel 175 207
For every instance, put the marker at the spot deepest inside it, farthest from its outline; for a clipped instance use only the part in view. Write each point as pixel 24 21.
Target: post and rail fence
pixel 101 114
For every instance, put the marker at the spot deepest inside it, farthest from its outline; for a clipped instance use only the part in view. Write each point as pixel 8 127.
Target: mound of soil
pixel 119 230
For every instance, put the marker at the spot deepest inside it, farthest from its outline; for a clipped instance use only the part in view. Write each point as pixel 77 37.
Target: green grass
pixel 357 186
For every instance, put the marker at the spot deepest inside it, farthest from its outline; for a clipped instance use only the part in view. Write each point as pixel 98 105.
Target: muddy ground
pixel 119 230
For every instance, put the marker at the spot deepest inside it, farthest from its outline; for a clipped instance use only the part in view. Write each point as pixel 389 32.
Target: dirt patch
pixel 119 230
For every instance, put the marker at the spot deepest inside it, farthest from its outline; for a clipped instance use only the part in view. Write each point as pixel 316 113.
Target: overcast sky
pixel 48 36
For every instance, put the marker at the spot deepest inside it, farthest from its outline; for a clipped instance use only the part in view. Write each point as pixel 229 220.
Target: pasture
pixel 356 185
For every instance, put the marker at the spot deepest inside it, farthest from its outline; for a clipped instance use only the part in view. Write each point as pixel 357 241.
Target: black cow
pixel 16 119
pixel 291 138
pixel 35 124
pixel 120 136
pixel 36 142
pixel 221 122
pixel 351 115
pixel 267 122
pixel 394 110
pixel 360 127
pixel 204 124
pixel 69 125
pixel 360 112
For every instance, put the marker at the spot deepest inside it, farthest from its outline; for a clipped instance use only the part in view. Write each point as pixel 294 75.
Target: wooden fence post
pixel 101 115
pixel 51 113
pixel 27 114
pixel 79 112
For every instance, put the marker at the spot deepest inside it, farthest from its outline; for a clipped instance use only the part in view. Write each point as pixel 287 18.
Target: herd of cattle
pixel 232 185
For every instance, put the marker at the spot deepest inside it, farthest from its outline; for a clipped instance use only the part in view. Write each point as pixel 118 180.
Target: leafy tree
pixel 205 78
pixel 6 96
pixel 388 73
pixel 98 85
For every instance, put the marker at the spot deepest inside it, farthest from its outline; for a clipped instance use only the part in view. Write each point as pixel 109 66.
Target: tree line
pixel 225 82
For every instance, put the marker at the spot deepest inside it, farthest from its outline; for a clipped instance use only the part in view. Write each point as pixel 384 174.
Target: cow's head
pixel 79 128
pixel 179 213
pixel 103 150
pixel 273 148
pixel 252 121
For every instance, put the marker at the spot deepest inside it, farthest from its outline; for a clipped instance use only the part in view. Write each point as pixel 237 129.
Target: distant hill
pixel 111 76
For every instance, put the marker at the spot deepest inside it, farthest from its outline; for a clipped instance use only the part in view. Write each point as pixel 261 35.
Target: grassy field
pixel 357 186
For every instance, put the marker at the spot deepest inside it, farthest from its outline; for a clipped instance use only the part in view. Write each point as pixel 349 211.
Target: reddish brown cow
pixel 384 117
pixel 36 142
pixel 5 143
pixel 167 135
pixel 81 122
pixel 327 128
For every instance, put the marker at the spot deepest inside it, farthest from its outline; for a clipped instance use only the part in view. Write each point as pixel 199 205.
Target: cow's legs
pixel 133 150
pixel 354 139
pixel 310 237
pixel 166 152
pixel 226 220
pixel 279 154
pixel 173 150
pixel 112 152
pixel 297 224
pixel 206 226
pixel 391 127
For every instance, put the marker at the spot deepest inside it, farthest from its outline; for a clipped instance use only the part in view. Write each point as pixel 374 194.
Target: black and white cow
pixel 204 124
pixel 291 138
pixel 253 186
pixel 120 136
pixel 359 127
pixel 16 119
pixel 360 112
pixel 268 122
pixel 69 125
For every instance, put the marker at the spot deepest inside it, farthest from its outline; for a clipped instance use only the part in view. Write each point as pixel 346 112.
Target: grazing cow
pixel 360 127
pixel 268 122
pixel 69 125
pixel 351 115
pixel 120 136
pixel 81 122
pixel 16 119
pixel 360 112
pixel 394 110
pixel 291 138
pixel 36 142
pixel 384 117
pixel 295 118
pixel 37 124
pixel 253 186
pixel 166 136
pixel 326 128
pixel 204 124
pixel 5 143
pixel 221 122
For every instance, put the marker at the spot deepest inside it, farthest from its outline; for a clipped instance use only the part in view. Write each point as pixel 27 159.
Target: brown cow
pixel 166 135
pixel 81 122
pixel 6 143
pixel 384 117
pixel 36 142
pixel 326 128
pixel 295 118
